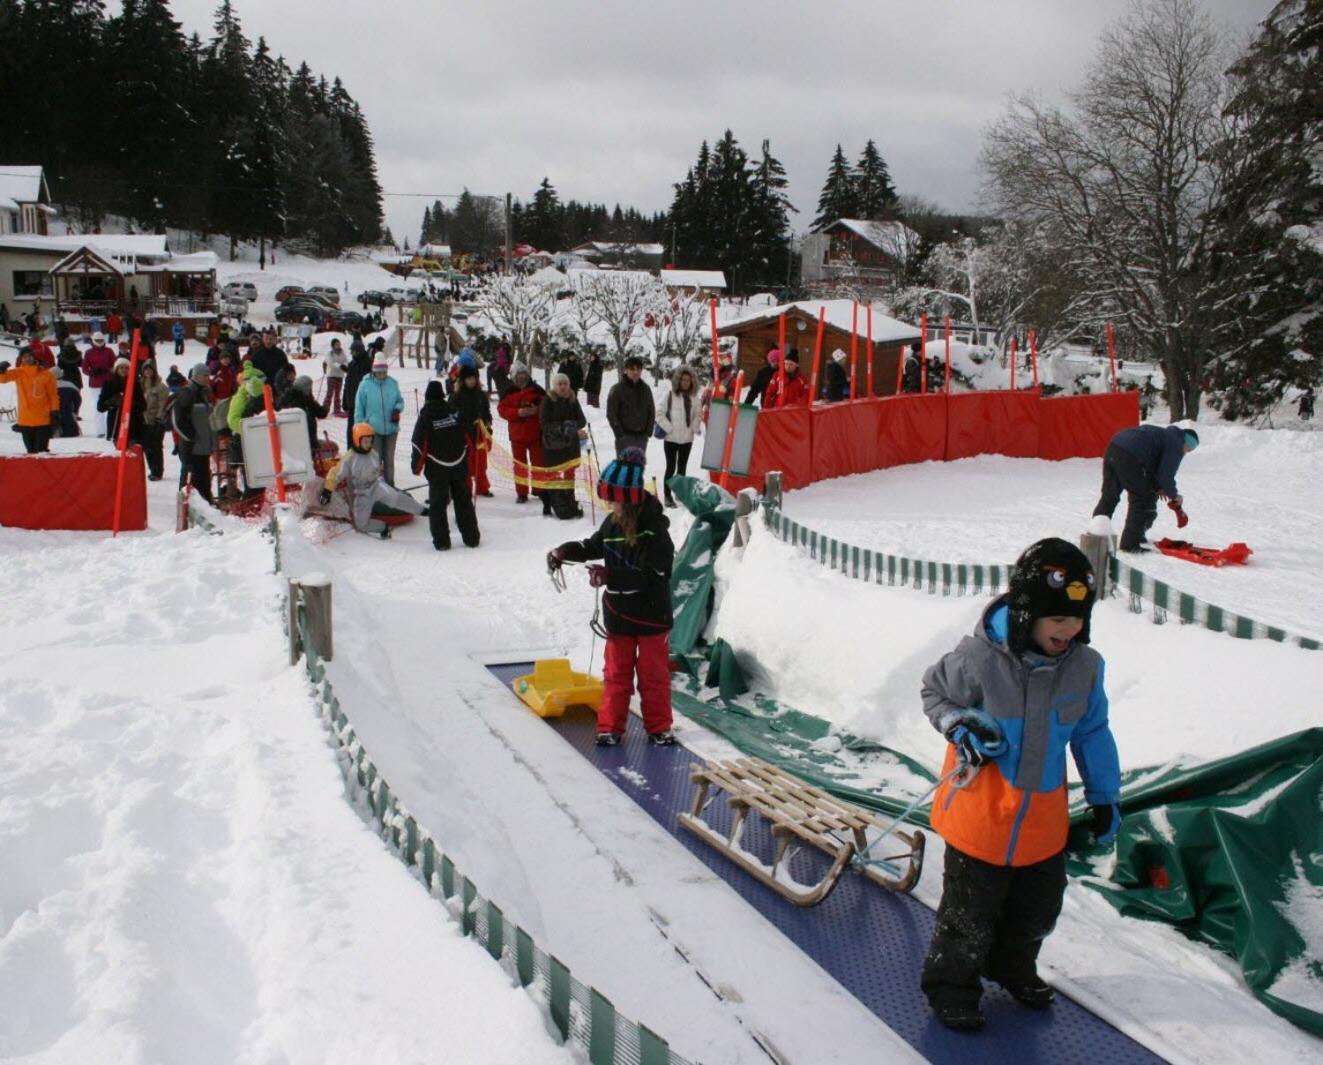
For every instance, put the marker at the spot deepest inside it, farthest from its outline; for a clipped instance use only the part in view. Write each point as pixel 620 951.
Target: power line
pixel 210 186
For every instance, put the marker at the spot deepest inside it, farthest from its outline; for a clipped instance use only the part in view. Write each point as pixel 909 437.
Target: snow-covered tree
pixel 875 195
pixel 519 310
pixel 675 325
pixel 621 303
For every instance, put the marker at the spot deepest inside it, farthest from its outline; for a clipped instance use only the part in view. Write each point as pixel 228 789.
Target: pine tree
pixel 1268 267
pixel 544 220
pixel 875 195
pixel 425 234
pixel 838 198
pixel 771 221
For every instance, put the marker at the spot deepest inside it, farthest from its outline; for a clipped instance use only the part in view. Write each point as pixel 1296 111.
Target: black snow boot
pixel 608 739
pixel 1034 993
pixel 961 1016
pixel 664 738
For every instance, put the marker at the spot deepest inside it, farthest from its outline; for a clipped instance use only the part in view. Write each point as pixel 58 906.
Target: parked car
pixel 404 295
pixel 330 293
pixel 234 307
pixel 297 312
pixel 240 290
pixel 289 290
pixel 376 298
pixel 344 321
pixel 311 298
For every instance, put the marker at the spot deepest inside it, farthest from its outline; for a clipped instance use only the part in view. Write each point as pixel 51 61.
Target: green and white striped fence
pixel 876 567
pixel 1168 601
pixel 581 1014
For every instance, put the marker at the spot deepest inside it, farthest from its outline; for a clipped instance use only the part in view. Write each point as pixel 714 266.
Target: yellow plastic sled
pixel 553 685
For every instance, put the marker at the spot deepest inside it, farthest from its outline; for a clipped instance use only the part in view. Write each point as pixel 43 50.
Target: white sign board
pixel 295 451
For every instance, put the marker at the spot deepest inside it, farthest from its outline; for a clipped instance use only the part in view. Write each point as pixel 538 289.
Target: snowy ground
pixel 166 906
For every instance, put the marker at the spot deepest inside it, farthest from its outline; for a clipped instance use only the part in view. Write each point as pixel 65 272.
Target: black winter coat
pixel 592 378
pixel 630 408
pixel 359 367
pixel 473 405
pixel 637 599
pixel 269 360
pixel 573 369
pixel 838 382
pixel 294 398
pixel 760 382
pixel 561 420
pixel 110 403
pixel 439 448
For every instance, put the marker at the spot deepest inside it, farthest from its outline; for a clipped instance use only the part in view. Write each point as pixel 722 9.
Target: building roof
pixel 579 278
pixel 894 238
pixel 434 251
pixel 116 244
pixel 600 246
pixel 21 184
pixel 714 279
pixel 839 315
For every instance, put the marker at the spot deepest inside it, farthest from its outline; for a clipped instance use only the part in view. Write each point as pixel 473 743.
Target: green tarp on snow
pixel 1229 852
pixel 692 579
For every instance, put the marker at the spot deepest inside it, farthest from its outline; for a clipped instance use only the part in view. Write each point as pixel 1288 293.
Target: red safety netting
pixel 1071 427
pixel 71 491
pixel 910 429
pixel 992 423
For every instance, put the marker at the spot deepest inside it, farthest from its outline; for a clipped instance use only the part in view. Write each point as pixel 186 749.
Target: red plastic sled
pixel 1232 555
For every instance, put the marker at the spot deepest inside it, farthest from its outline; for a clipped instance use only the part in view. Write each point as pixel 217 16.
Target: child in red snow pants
pixel 649 657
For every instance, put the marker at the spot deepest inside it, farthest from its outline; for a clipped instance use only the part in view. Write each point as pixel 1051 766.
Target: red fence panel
pixel 71 491
pixel 911 428
pixel 783 441
pixel 1081 426
pixel 992 423
pixel 844 438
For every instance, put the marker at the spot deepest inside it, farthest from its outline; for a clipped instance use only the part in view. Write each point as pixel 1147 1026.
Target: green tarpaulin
pixel 1230 852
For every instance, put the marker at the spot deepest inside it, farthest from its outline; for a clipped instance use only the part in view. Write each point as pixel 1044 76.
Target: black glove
pixel 597 576
pixel 324 497
pixel 976 735
pixel 555 559
pixel 1105 823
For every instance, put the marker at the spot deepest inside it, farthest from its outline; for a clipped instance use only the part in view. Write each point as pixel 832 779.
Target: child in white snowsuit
pixel 357 474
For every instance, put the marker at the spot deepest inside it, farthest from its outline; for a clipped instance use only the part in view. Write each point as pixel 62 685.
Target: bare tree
pixel 1126 181
pixel 621 302
pixel 675 325
pixel 520 310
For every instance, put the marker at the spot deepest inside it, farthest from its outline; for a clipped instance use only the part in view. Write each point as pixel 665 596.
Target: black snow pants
pixel 441 491
pixel 1123 471
pixel 991 922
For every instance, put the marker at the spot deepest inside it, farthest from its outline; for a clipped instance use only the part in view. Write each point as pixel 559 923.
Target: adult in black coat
pixel 440 454
pixel 630 408
pixel 838 381
pixel 111 403
pixel 299 396
pixel 592 379
pixel 573 369
pixel 360 366
pixel 763 377
pixel 563 426
pixel 268 356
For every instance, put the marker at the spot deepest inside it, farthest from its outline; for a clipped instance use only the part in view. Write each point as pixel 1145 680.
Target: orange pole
pixel 1014 347
pixel 1111 353
pixel 870 351
pixel 900 368
pixel 1033 354
pixel 730 432
pixel 274 433
pixel 923 355
pixel 948 354
pixel 854 349
pixel 125 416
pixel 817 356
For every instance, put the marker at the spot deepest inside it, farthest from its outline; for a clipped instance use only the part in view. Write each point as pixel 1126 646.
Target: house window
pixel 32 283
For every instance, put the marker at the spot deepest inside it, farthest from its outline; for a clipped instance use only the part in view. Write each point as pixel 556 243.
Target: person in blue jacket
pixel 379 403
pixel 177 332
pixel 1142 461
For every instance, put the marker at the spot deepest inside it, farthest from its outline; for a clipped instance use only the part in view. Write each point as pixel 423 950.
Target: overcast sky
pixel 611 99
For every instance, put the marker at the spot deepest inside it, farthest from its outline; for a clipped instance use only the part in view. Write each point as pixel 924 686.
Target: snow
pixel 190 870
pixel 183 878
pixel 839 314
pixel 19 184
pixel 117 244
pixel 711 279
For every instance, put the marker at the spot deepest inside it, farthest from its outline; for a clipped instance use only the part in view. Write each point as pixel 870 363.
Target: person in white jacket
pixel 679 420
pixel 355 488
pixel 336 362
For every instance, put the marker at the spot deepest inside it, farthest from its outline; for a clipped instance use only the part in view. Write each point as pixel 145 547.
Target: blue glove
pixel 1106 823
pixel 972 749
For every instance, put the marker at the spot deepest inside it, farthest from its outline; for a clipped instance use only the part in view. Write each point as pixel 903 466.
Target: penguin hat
pixel 1051 579
pixel 622 480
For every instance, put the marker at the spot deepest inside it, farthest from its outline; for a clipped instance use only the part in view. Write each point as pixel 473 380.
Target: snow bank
pixel 183 880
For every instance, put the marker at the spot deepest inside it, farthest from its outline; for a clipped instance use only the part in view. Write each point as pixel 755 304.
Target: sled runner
pixel 1236 554
pixel 553 686
pixel 799 813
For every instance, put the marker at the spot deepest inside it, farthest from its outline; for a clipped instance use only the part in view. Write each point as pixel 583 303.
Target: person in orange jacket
pixel 796 388
pixel 38 401
pixel 1009 700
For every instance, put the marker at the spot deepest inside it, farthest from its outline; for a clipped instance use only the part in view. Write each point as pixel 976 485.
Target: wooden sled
pixel 800 812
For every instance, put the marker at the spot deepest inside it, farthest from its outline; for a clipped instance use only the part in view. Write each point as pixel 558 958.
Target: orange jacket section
pixel 980 819
pixel 38 395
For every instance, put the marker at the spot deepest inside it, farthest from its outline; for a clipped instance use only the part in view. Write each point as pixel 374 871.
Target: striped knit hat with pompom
pixel 622 480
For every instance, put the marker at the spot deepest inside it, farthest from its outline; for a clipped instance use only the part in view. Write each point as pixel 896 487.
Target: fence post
pixel 292 620
pixel 316 592
pixel 1098 549
pixel 745 502
pixel 772 489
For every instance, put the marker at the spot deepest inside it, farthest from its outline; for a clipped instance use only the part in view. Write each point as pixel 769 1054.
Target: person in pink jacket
pixel 98 362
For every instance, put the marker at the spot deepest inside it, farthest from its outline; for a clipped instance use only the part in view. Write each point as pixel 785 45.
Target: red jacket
pixel 224 382
pixel 797 391
pixel 97 364
pixel 114 323
pixel 523 430
pixel 43 354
